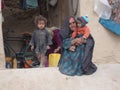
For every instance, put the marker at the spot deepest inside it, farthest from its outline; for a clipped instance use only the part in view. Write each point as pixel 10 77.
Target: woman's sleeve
pixel 66 43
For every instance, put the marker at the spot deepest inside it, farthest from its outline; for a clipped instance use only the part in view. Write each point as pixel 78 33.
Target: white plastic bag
pixel 103 9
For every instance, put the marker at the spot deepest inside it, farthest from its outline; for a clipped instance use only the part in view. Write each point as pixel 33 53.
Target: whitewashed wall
pixel 2 56
pixel 107 44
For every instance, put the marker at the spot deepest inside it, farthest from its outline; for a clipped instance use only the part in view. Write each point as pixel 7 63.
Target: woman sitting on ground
pixel 78 62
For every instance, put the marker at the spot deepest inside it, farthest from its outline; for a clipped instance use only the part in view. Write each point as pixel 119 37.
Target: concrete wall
pixel 107 44
pixel 2 56
pixel 106 78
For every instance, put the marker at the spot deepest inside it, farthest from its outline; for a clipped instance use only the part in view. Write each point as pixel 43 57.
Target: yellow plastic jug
pixel 54 59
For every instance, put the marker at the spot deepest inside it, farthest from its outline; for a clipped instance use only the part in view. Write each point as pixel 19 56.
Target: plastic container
pixel 103 9
pixel 8 65
pixel 54 59
pixel 8 62
pixel 14 63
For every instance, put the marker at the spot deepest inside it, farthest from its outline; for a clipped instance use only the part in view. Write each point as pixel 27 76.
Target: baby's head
pixel 82 21
pixel 40 22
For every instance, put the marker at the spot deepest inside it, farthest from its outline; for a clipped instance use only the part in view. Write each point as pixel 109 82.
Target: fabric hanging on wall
pixel 32 3
pixel 23 4
pixel 115 4
pixel 109 18
pixel 110 25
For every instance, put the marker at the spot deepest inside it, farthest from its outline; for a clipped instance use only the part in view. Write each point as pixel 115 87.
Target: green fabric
pixel 32 3
pixel 71 62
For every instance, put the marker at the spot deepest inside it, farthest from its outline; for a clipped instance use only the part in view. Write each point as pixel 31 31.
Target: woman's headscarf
pixel 65 30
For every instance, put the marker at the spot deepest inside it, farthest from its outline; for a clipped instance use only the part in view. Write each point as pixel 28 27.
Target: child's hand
pixel 48 47
pixel 32 48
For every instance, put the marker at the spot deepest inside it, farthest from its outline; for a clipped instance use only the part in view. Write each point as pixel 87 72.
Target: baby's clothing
pixel 83 30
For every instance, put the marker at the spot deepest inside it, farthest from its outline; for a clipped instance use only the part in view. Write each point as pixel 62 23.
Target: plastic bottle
pixel 8 62
pixel 14 63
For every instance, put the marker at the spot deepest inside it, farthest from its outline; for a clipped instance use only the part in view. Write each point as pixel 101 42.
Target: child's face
pixel 41 24
pixel 79 24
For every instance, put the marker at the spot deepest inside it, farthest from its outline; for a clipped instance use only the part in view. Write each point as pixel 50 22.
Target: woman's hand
pixel 77 41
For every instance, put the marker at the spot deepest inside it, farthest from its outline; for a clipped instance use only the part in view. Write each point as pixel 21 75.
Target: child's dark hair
pixel 40 18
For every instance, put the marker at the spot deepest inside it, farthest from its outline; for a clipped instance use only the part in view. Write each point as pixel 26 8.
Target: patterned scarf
pixel 65 31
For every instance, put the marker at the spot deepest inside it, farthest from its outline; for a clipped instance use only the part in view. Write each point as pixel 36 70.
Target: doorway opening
pixel 18 23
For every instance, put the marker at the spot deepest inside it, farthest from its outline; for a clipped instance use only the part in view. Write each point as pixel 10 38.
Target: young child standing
pixel 82 29
pixel 40 40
